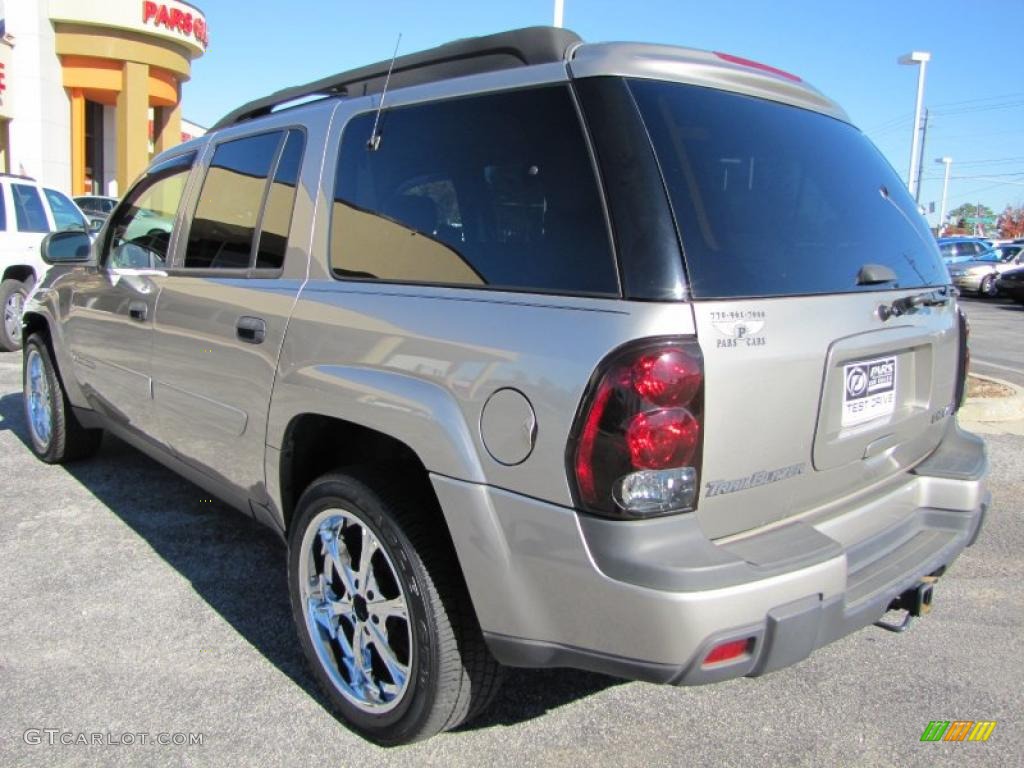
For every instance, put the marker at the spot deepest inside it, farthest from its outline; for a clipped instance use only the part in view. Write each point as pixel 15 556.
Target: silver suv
pixel 536 353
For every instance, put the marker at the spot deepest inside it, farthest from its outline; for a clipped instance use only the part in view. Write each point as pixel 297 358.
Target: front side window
pixel 28 209
pixel 65 213
pixel 490 191
pixel 140 232
pixel 226 229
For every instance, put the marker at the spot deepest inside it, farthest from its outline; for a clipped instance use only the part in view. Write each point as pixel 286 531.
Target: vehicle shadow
pixel 238 567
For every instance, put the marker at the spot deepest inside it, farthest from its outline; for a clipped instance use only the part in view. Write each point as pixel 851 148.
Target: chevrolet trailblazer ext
pixel 620 357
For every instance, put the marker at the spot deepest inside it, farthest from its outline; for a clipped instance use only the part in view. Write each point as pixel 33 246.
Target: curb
pixel 990 409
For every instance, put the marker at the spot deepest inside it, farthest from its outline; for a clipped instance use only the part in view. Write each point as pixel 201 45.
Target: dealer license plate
pixel 870 390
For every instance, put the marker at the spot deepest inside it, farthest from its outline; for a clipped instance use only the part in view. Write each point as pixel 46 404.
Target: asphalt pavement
pixel 131 604
pixel 997 338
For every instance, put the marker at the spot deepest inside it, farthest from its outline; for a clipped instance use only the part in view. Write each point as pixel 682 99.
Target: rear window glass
pixel 224 225
pixel 493 191
pixel 773 200
pixel 28 209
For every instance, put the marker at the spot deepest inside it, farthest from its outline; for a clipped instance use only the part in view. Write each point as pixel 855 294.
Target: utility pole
pixel 948 162
pixel 559 12
pixel 920 158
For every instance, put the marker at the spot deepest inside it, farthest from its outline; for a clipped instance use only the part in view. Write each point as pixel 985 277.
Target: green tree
pixel 958 216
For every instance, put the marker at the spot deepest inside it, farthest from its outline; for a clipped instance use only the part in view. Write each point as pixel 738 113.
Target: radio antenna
pixel 374 141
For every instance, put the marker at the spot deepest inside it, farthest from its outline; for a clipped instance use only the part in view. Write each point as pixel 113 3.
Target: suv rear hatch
pixel 795 232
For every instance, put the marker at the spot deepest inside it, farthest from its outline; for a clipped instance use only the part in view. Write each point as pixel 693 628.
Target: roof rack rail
pixel 469 56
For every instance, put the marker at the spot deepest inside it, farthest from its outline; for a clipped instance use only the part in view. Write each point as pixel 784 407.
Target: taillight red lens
pixel 668 377
pixel 643 414
pixel 663 438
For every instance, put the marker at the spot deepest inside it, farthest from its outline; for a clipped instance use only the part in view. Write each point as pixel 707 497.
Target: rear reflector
pixel 757 65
pixel 734 649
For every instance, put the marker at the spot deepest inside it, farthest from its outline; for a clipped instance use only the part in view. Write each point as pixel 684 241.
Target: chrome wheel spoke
pixel 369 546
pixel 399 672
pixel 386 608
pixel 337 562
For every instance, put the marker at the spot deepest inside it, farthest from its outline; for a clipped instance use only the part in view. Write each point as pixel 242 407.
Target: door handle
pixel 252 330
pixel 138 310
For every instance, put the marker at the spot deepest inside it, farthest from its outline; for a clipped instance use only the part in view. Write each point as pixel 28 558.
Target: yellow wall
pixel 132 73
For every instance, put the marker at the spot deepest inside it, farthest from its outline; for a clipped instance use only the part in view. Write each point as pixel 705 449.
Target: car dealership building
pixel 89 89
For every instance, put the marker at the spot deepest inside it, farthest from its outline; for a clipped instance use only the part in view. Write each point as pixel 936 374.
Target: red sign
pixel 3 85
pixel 176 20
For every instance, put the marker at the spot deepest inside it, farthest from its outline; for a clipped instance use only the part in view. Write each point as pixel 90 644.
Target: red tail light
pixel 635 449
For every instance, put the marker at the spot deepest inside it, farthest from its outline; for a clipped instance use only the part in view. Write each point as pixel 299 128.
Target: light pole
pixel 948 162
pixel 922 58
pixel 559 12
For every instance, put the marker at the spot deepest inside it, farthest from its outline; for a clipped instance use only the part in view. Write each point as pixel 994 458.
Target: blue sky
pixel 846 49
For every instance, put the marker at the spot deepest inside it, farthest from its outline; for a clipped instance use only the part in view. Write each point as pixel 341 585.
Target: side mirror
pixel 68 247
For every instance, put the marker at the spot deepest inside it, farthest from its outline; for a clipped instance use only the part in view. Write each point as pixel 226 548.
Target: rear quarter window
pixel 492 191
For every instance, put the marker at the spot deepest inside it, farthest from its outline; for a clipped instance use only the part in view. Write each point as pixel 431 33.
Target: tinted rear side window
pixel 229 205
pixel 486 191
pixel 277 214
pixel 28 209
pixel 3 209
pixel 772 200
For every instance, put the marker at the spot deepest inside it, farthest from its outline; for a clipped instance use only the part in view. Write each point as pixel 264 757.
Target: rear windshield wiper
pixel 908 304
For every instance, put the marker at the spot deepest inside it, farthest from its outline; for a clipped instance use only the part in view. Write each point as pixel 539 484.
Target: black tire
pixel 67 440
pixel 11 292
pixel 987 289
pixel 452 675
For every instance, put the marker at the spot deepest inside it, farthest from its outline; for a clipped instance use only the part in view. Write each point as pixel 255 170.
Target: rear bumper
pixel 648 600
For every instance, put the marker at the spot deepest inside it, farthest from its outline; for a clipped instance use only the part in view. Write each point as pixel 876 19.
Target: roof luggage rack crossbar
pixel 469 56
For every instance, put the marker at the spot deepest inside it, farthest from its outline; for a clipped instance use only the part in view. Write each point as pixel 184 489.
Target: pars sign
pixel 175 19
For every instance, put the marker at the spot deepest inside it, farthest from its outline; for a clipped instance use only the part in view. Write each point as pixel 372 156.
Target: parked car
pixel 28 211
pixel 96 204
pixel 96 209
pixel 1010 255
pixel 526 371
pixel 979 275
pixel 957 249
pixel 1011 283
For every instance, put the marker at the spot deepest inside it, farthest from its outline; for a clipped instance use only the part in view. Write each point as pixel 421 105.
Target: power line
pixel 976 109
pixel 980 98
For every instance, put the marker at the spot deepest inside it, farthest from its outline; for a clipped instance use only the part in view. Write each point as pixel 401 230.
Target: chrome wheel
pixel 356 611
pixel 12 315
pixel 988 287
pixel 37 399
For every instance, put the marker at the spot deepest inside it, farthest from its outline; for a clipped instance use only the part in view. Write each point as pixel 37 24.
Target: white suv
pixel 28 211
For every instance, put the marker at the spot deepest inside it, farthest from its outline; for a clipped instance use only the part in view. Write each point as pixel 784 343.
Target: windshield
pixel 773 200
